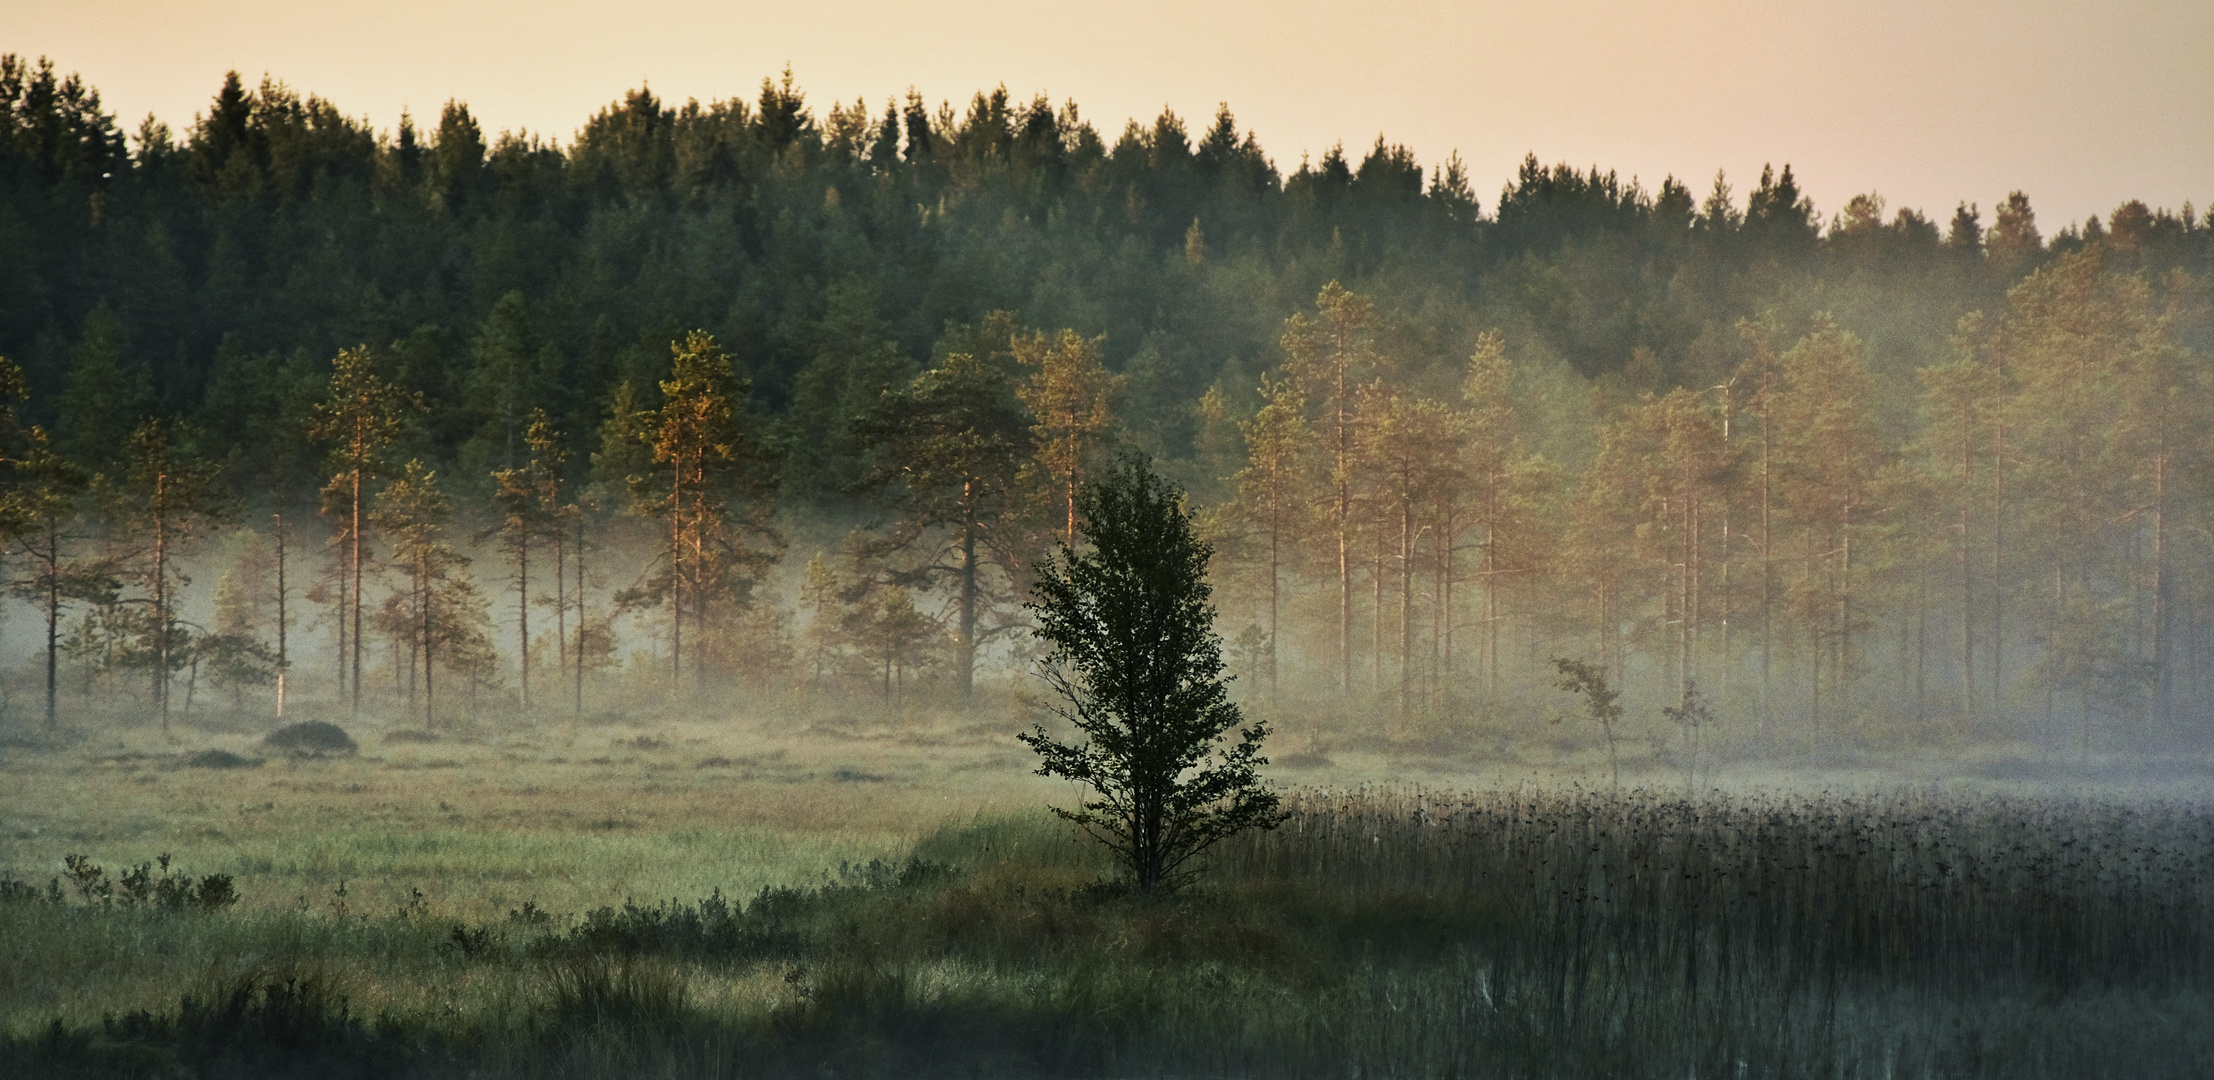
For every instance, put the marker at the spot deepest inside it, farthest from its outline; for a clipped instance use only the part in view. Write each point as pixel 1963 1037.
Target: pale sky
pixel 2081 105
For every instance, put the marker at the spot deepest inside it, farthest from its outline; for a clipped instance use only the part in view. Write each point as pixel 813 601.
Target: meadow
pixel 823 894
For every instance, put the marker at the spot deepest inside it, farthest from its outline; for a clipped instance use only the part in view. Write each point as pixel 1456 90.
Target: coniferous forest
pixel 793 395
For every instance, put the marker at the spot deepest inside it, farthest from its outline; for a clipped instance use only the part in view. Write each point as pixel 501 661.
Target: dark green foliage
pixel 257 1025
pixel 1139 665
pixel 278 226
pixel 23 892
pixel 220 759
pixel 855 363
pixel 211 274
pixel 104 399
pixel 470 943
pixel 713 927
pixel 948 449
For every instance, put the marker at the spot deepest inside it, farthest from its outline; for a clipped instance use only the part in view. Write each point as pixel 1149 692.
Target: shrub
pixel 311 738
pixel 142 887
pixel 220 759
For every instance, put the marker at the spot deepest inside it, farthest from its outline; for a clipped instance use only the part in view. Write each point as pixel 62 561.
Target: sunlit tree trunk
pixel 53 621
pixel 2163 668
pixel 676 579
pixel 1406 610
pixel 1998 564
pixel 580 617
pixel 965 668
pixel 522 616
pixel 160 509
pixel 1767 560
pixel 284 657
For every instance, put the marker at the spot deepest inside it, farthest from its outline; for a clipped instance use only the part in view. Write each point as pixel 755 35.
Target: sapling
pixel 1589 681
pixel 1693 714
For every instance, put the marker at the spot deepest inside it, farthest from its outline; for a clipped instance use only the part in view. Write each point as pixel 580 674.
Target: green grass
pixel 1549 932
pixel 865 898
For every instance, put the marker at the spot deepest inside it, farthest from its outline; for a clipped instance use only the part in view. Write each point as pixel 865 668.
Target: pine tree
pixel 46 514
pixel 171 498
pixel 1831 457
pixel 1071 402
pixel 709 482
pixel 954 443
pixel 897 637
pixel 440 616
pixel 1330 358
pixel 1963 406
pixel 360 418
pixel 529 497
pixel 1268 510
pixel 2108 417
pixel 1504 500
pixel 1408 448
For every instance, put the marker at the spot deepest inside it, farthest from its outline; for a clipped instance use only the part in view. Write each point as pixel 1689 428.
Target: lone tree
pixel 1139 667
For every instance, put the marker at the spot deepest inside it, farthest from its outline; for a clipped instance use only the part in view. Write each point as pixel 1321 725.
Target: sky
pixel 1928 103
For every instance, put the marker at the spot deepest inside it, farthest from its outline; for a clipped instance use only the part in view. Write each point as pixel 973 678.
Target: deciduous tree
pixel 1138 667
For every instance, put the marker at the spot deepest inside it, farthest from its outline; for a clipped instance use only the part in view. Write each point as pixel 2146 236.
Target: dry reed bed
pixel 1883 887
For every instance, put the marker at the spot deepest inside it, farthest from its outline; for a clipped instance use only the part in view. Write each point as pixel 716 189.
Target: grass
pixel 597 903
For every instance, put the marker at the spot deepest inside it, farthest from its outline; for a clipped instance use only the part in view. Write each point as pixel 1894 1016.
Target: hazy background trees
pixel 1854 476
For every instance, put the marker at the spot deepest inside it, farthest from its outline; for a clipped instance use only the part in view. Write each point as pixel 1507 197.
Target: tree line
pixel 2024 550
pixel 1822 469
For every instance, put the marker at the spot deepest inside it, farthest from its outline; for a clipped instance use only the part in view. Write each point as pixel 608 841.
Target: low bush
pixel 310 738
pixel 142 886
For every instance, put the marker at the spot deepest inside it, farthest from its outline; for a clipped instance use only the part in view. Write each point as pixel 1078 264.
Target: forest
pixel 760 394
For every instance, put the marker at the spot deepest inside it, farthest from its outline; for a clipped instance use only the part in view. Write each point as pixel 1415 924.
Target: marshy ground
pixel 840 895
